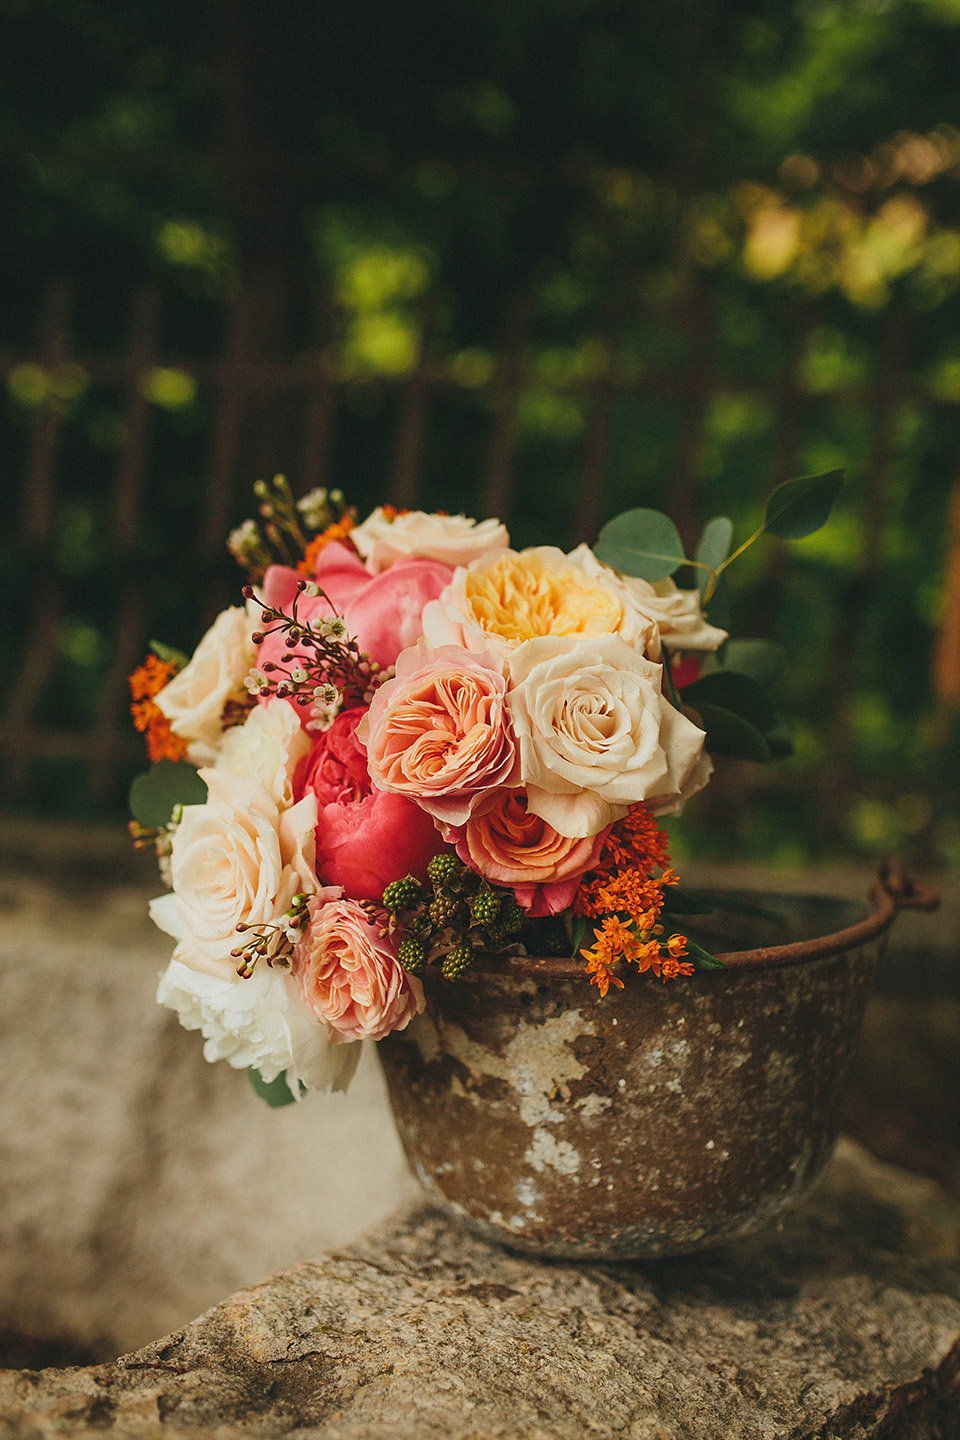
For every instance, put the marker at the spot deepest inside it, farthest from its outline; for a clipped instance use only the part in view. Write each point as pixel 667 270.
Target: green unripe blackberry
pixel 485 906
pixel 512 916
pixel 456 961
pixel 412 955
pixel 401 893
pixel 547 937
pixel 417 926
pixel 442 910
pixel 443 870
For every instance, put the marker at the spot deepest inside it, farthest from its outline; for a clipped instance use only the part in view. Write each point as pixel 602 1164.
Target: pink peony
pixel 365 837
pixel 381 612
pixel 350 976
pixel 440 731
pixel 510 846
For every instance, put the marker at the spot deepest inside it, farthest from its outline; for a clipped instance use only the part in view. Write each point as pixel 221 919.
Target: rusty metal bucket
pixel 659 1120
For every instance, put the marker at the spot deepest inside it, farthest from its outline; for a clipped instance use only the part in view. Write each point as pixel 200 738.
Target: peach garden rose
pixel 506 843
pixel 350 977
pixel 440 732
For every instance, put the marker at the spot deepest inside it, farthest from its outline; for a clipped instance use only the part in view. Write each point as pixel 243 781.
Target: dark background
pixel 543 259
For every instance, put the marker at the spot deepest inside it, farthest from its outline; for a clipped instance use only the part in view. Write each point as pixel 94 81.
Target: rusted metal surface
pixel 661 1119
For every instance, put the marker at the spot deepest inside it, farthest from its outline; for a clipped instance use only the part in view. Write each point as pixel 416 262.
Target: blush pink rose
pixel 365 837
pixel 510 846
pixel 381 612
pixel 350 976
pixel 440 731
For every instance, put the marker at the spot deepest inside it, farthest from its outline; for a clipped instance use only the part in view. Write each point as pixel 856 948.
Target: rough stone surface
pixel 844 1325
pixel 138 1184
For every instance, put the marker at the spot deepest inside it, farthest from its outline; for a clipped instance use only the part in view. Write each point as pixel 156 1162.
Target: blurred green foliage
pixel 680 204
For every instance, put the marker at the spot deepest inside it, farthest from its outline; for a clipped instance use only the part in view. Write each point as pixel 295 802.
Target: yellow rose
pixel 509 597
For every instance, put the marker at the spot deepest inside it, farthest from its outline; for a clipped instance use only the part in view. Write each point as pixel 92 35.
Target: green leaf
pixel 799 507
pixel 762 660
pixel 703 959
pixel 732 691
pixel 579 932
pixel 156 793
pixel 779 737
pixel 681 902
pixel 275 1092
pixel 643 543
pixel 713 548
pixel 730 734
pixel 169 654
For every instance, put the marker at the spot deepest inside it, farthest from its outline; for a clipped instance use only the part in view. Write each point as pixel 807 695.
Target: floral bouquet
pixel 412 745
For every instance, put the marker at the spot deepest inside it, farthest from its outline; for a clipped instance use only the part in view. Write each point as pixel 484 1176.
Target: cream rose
pixel 194 699
pixel 237 859
pixel 349 974
pixel 267 747
pixel 595 732
pixel 508 597
pixel 452 539
pixel 261 1022
pixel 672 616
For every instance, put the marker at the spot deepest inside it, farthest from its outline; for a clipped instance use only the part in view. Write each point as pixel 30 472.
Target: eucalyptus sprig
pixel 647 545
pixel 728 699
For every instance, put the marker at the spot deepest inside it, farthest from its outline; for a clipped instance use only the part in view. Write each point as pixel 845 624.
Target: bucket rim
pixel 891 892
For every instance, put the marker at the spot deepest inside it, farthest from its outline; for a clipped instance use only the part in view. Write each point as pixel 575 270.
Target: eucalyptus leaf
pixel 703 959
pixel 681 902
pixel 735 692
pixel 799 507
pixel 643 543
pixel 156 793
pixel 277 1092
pixel 169 654
pixel 730 734
pixel 713 548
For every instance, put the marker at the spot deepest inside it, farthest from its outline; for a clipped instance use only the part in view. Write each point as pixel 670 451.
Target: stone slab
pixel 842 1325
pixel 138 1184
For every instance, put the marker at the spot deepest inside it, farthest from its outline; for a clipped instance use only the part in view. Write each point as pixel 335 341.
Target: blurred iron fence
pixel 158 543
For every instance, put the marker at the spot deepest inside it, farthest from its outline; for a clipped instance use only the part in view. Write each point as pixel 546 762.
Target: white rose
pixel 261 1022
pixel 267 747
pixel 596 735
pixel 194 699
pixel 237 859
pixel 672 615
pixel 452 539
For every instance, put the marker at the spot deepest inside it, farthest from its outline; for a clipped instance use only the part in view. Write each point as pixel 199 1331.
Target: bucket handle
pixel 891 892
